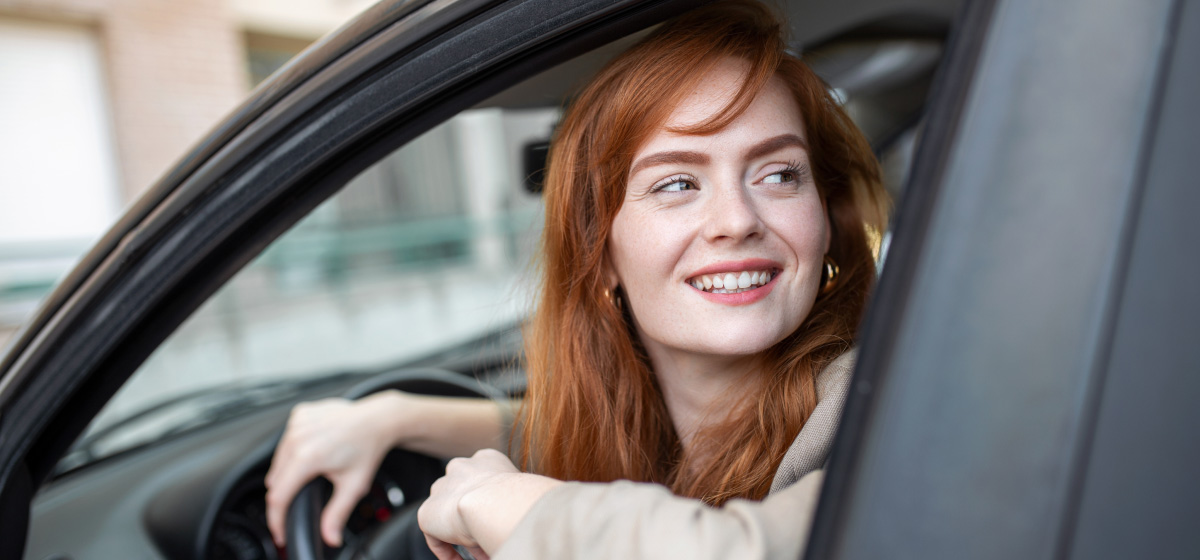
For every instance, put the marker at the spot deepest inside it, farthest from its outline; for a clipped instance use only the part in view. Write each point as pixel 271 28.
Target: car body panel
pixel 1140 497
pixel 969 428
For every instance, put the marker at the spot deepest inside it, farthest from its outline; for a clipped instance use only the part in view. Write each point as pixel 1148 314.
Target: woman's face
pixel 718 245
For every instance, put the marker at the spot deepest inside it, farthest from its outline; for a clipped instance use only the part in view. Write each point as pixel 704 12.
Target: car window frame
pixel 882 498
pixel 910 227
pixel 254 179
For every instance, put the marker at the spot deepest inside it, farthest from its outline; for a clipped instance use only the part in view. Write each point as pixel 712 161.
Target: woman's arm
pixel 485 503
pixel 345 441
pixel 584 521
pixel 478 503
pixel 444 427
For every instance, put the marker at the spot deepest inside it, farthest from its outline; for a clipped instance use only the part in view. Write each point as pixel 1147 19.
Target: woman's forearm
pixel 493 509
pixel 641 521
pixel 441 426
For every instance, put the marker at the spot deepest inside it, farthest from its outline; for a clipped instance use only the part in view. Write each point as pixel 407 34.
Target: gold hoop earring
pixel 829 276
pixel 613 297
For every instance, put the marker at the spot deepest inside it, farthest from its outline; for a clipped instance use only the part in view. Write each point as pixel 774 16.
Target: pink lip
pixel 737 266
pixel 740 298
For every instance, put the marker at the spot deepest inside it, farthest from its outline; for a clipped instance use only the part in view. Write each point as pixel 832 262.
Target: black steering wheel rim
pixel 303 518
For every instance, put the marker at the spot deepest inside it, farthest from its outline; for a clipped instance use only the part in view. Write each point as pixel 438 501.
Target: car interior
pixel 416 275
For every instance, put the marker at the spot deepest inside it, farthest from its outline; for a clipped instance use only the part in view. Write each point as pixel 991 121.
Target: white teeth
pixel 731 282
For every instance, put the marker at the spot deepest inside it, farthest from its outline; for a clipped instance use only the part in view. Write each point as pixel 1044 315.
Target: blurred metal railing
pixel 28 271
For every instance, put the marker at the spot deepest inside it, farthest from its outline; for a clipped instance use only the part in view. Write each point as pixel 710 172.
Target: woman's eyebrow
pixel 764 148
pixel 661 158
pixel 771 145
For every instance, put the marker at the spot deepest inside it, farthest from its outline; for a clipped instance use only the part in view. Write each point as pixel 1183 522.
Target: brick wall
pixel 174 69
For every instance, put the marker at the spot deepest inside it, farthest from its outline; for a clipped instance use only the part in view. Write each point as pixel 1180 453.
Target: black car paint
pixel 1010 402
pixel 912 217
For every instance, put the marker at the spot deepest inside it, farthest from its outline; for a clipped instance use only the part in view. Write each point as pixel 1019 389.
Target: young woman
pixel 707 255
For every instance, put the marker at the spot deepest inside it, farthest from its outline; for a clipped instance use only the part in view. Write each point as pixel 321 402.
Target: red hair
pixel 594 411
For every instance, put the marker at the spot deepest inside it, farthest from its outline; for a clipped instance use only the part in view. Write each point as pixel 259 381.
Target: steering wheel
pixel 399 536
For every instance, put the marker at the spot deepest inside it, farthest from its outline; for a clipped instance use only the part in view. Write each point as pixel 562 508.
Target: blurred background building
pixel 428 248
pixel 99 97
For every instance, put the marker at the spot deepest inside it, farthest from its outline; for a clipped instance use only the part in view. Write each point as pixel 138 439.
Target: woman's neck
pixel 700 389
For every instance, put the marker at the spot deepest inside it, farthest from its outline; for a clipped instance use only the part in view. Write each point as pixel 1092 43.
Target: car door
pixel 1030 365
pixel 394 73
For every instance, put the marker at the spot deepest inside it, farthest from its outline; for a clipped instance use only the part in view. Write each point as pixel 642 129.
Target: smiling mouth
pixel 732 282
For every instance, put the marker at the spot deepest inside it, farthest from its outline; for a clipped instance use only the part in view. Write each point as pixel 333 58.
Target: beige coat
pixel 632 521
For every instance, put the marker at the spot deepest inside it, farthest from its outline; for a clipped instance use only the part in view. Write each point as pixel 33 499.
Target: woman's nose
pixel 731 214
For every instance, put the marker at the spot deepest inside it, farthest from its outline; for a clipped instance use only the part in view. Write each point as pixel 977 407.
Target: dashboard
pixel 198 495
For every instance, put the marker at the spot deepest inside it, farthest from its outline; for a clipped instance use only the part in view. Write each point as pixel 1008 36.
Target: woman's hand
pixel 478 504
pixel 344 441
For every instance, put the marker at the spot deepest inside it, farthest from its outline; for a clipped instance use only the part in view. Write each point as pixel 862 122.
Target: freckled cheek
pixel 645 252
pixel 803 229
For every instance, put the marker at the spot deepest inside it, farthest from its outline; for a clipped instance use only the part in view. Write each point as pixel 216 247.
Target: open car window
pixel 425 250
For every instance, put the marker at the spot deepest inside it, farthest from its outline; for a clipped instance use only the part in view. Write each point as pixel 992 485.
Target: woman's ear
pixel 828 220
pixel 828 232
pixel 611 279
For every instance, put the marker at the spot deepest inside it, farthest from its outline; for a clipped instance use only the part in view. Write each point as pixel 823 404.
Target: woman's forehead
pixel 712 94
pixel 773 112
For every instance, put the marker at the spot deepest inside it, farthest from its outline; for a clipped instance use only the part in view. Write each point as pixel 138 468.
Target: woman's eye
pixel 674 185
pixel 781 177
pixel 794 173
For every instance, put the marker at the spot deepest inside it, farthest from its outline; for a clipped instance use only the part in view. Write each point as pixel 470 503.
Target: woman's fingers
pixel 479 553
pixel 280 492
pixel 440 517
pixel 281 463
pixel 322 438
pixel 346 494
pixel 348 489
pixel 282 456
pixel 444 551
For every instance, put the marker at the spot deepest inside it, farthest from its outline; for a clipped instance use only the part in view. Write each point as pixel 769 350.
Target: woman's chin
pixel 735 346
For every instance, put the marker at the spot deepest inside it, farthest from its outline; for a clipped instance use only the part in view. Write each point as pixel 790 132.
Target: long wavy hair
pixel 593 410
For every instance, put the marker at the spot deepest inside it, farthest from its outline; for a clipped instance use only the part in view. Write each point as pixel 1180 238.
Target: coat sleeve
pixel 635 521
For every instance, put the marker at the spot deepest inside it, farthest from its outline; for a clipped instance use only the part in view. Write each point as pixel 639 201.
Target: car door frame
pixel 987 350
pixel 395 72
